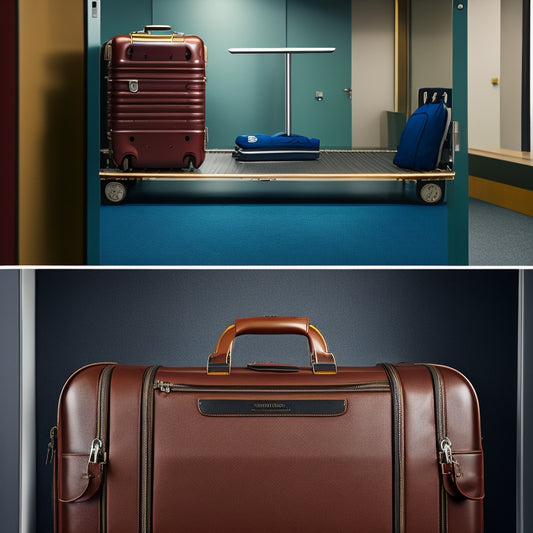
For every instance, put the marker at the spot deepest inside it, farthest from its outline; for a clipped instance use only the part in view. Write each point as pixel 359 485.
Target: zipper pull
pixel 163 386
pixel 446 448
pixel 448 462
pixel 95 454
pixel 52 444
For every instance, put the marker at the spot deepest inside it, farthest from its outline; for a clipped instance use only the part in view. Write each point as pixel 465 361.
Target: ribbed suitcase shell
pixel 270 450
pixel 156 100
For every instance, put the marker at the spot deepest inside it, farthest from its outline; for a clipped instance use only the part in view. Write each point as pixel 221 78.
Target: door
pixel 321 24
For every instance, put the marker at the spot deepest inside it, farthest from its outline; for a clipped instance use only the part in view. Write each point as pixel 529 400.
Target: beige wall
pixel 484 45
pixel 511 75
pixel 495 51
pixel 431 45
pixel 372 71
pixel 51 132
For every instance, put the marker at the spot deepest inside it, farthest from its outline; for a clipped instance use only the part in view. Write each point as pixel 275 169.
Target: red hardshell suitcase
pixel 269 447
pixel 156 99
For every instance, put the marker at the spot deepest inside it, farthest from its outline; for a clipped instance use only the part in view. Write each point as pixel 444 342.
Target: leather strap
pixel 463 478
pixel 93 478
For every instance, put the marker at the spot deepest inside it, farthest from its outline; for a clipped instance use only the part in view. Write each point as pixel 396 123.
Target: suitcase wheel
pixel 126 163
pixel 190 163
pixel 430 192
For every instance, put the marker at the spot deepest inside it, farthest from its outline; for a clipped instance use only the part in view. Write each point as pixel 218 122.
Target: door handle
pixel 349 91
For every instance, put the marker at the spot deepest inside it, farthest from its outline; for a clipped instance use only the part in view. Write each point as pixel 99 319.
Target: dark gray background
pixel 463 318
pixel 9 399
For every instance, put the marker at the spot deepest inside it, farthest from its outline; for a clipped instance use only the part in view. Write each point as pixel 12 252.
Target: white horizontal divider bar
pixel 296 50
pixel 288 81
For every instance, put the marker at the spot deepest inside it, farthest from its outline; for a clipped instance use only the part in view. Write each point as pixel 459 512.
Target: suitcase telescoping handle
pixel 322 361
pixel 156 27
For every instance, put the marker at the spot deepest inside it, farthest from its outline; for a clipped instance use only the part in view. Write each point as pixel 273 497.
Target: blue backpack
pixel 423 137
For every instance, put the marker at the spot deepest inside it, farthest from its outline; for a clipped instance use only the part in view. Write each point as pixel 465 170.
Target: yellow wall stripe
pixel 500 194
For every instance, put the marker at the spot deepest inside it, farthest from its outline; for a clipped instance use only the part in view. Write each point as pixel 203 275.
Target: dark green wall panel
pixel 506 172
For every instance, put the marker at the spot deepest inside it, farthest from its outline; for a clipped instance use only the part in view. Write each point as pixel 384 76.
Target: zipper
pixel 99 446
pixel 102 421
pixel 397 448
pixel 444 444
pixel 440 404
pixel 147 412
pixel 372 386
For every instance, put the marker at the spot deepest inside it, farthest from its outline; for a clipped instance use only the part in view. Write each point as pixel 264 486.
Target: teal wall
pixel 458 189
pixel 122 16
pixel 245 93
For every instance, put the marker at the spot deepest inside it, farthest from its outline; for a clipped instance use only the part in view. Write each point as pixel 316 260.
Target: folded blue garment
pixel 276 147
pixel 280 141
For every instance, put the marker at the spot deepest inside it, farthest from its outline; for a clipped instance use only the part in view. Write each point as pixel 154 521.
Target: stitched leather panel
pixel 464 432
pixel 76 430
pixel 264 474
pixel 422 483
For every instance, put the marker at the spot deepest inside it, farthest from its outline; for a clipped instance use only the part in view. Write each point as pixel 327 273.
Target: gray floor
pixel 499 237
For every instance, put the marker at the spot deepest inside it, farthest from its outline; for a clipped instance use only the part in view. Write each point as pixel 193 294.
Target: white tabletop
pixel 296 50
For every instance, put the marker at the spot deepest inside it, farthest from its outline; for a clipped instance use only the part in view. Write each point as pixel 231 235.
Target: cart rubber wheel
pixel 430 192
pixel 115 192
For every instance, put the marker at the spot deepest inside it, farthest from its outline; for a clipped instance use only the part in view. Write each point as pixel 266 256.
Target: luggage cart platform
pixel 332 166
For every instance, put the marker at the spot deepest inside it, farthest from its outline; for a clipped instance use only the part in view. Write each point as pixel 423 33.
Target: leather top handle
pixel 322 361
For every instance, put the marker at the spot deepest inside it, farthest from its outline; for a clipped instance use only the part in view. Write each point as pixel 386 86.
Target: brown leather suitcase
pixel 156 99
pixel 270 447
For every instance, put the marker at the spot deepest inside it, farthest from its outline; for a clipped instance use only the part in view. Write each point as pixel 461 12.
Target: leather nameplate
pixel 274 407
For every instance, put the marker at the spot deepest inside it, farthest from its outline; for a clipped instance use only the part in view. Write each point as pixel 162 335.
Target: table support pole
pixel 288 83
